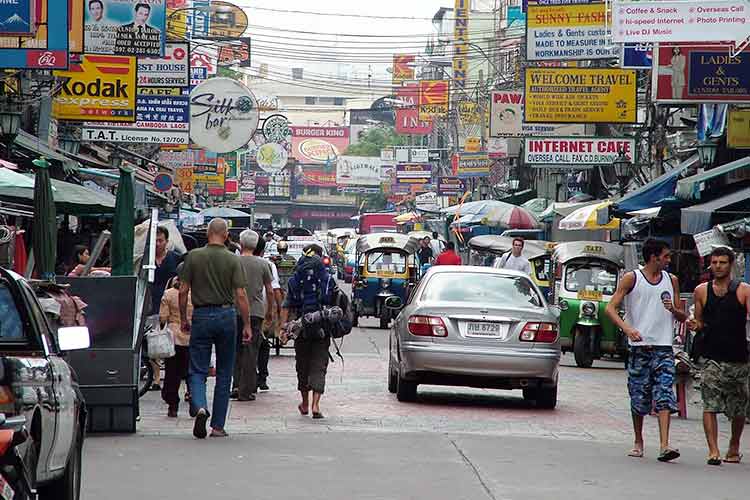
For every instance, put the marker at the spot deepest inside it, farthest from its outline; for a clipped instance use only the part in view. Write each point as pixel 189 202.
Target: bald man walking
pixel 215 278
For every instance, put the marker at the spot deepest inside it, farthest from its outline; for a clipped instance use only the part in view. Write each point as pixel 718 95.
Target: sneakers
pixel 199 428
pixel 263 386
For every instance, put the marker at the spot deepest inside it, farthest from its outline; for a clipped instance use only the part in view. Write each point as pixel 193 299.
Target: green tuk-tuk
pixel 586 276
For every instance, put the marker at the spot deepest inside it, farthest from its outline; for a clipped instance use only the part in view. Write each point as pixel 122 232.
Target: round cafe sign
pixel 271 156
pixel 276 129
pixel 223 115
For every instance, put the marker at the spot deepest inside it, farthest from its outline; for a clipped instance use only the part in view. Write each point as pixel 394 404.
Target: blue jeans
pixel 212 326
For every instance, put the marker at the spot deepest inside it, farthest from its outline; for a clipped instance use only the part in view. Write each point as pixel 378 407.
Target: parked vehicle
pixel 387 267
pixel 586 275
pixel 38 385
pixel 15 479
pixel 485 250
pixel 377 223
pixel 478 327
pixel 350 260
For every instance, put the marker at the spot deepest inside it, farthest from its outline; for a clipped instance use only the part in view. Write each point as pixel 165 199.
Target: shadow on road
pixel 499 400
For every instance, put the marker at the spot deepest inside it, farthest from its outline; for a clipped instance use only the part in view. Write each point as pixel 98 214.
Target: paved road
pixel 452 443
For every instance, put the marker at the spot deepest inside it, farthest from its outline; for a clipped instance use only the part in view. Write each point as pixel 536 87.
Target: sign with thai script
pixel 565 32
pixel 473 165
pixel 705 73
pixel 572 95
pixel 576 150
pixel 450 186
pixel 413 171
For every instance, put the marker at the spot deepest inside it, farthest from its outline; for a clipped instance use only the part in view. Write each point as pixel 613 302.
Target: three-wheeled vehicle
pixel 386 267
pixel 485 250
pixel 586 276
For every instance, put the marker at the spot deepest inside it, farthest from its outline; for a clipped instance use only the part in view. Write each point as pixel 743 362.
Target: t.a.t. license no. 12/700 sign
pixel 223 115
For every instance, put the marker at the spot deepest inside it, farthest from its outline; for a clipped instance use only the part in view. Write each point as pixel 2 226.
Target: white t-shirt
pixel 509 261
pixel 275 283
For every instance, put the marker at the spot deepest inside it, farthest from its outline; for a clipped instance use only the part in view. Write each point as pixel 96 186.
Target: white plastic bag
pixel 160 343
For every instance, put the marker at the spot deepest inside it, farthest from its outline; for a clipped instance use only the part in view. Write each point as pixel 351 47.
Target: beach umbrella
pixel 222 212
pixel 585 218
pixel 510 217
pixel 123 227
pixel 44 233
pixel 11 179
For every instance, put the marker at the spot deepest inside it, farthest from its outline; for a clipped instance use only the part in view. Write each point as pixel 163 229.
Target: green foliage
pixel 375 139
pixel 375 202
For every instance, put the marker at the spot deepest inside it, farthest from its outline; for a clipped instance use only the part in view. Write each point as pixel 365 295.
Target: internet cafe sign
pixel 576 150
pixel 223 115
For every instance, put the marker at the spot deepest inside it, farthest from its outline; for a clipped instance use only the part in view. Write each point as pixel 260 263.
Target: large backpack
pixel 311 287
pixel 343 326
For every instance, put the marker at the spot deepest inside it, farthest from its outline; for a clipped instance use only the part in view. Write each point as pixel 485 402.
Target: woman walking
pixel 176 367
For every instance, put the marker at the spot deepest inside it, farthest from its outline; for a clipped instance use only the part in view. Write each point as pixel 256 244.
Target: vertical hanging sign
pixel 461 44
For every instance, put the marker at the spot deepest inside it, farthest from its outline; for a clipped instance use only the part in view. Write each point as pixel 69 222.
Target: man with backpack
pixel 311 295
pixel 514 259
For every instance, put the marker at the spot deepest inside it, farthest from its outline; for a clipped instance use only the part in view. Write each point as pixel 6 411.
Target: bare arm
pixel 240 298
pixel 270 301
pixel 626 284
pixel 699 297
pixel 183 299
pixel 674 305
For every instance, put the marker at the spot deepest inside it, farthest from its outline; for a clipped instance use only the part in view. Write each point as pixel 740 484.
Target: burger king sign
pixel 319 144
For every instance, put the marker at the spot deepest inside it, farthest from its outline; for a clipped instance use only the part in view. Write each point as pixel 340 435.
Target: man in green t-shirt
pixel 216 281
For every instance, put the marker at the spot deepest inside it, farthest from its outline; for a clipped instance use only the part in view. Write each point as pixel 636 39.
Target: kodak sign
pixel 99 88
pixel 433 99
pixel 403 68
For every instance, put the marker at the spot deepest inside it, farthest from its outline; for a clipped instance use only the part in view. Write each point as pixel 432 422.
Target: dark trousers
pixel 175 371
pixel 246 364
pixel 264 352
pixel 311 356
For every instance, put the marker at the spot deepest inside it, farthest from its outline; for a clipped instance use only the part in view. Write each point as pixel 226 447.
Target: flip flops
pixel 668 454
pixel 735 459
pixel 636 453
pixel 302 410
pixel 713 461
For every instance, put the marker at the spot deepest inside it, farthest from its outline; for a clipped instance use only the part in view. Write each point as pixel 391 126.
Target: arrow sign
pixel 686 21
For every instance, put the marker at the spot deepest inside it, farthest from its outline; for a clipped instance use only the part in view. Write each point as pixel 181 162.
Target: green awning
pixel 35 144
pixel 69 198
pixel 690 187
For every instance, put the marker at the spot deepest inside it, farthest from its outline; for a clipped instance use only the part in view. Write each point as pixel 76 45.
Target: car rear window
pixel 11 326
pixel 482 289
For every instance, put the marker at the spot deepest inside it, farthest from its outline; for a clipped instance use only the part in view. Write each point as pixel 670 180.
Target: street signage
pixel 506 119
pixel 407 117
pixel 461 13
pixel 48 48
pixel 706 241
pixel 433 99
pixel 184 179
pixel 682 21
pixel 271 157
pixel 319 144
pixel 403 68
pixel 568 32
pixel 573 95
pixel 226 20
pixel 276 129
pixel 450 186
pixel 125 27
pixel 419 155
pixel 413 171
pixel 163 182
pixel 576 150
pixel 172 70
pixel 473 165
pixel 636 55
pixel 17 18
pixel 358 171
pixel 700 73
pixel 738 129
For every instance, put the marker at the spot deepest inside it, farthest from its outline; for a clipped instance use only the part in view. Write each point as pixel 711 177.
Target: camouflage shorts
pixel 724 388
pixel 651 379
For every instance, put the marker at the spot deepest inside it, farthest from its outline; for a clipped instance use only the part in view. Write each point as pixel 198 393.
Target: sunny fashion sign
pixel 319 144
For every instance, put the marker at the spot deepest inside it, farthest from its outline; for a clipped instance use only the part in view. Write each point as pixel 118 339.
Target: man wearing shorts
pixel 721 308
pixel 652 306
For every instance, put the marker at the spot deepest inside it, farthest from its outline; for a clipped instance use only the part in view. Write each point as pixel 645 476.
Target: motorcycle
pixel 15 479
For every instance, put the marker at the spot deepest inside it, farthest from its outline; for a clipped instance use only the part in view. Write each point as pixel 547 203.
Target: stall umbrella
pixel 123 226
pixel 44 233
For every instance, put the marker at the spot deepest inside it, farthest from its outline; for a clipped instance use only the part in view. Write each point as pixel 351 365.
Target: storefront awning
pixel 69 198
pixel 35 144
pixel 690 188
pixel 655 192
pixel 697 218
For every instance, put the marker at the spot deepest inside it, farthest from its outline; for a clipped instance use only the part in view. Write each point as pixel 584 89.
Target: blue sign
pixel 55 54
pixel 201 17
pixel 162 108
pixel 716 74
pixel 637 55
pixel 16 17
pixel 163 182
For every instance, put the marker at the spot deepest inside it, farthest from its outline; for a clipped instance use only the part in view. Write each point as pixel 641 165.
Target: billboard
pixel 319 144
pixel 226 20
pixel 701 73
pixel 200 18
pixel 637 55
pixel 568 32
pixel 576 150
pixel 172 70
pixel 450 186
pixel 408 172
pixel 407 118
pixel 358 171
pixel 162 117
pixel 47 48
pixel 461 11
pixel 17 18
pixel 506 119
pixel 473 165
pixel 99 88
pixel 738 129
pixel 126 27
pixel 184 179
pixel 403 68
pixel 433 99
pixel 573 95
pixel 177 19
pixel 75 37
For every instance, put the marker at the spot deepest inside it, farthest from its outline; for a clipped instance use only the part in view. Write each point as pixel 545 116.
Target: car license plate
pixel 589 295
pixel 6 492
pixel 481 329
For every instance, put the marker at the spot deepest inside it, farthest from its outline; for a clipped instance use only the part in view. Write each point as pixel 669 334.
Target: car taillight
pixel 427 326
pixel 326 261
pixel 539 332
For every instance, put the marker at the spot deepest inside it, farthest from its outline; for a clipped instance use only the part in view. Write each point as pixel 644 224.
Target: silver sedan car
pixel 477 327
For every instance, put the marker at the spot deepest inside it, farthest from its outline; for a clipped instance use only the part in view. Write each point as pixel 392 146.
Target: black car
pixel 39 384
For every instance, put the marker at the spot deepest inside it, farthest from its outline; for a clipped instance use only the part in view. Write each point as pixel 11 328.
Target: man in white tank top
pixel 651 298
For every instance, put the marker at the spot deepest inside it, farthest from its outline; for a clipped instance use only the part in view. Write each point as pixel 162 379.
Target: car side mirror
pixel 73 338
pixel 394 302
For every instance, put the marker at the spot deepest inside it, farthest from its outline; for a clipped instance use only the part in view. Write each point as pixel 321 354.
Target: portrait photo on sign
pixel 125 27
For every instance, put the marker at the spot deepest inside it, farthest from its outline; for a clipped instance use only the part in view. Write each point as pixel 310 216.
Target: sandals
pixel 302 410
pixel 713 461
pixel 636 453
pixel 318 415
pixel 668 454
pixel 734 459
pixel 218 433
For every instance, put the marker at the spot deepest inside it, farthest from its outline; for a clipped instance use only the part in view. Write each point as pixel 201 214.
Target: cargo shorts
pixel 651 373
pixel 724 388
